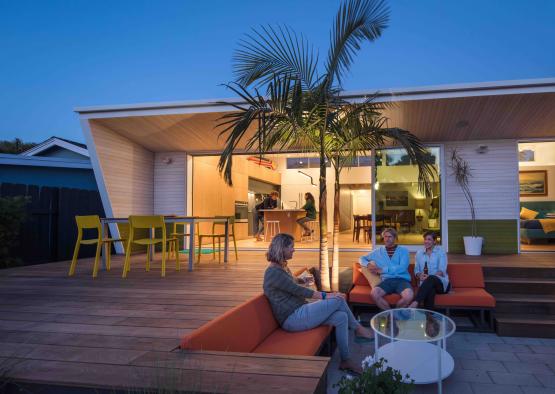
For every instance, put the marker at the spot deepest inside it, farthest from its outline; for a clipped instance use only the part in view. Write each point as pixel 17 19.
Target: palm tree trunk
pixel 324 258
pixel 336 218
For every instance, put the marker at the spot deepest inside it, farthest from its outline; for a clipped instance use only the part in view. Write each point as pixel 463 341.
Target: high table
pixel 287 220
pixel 191 220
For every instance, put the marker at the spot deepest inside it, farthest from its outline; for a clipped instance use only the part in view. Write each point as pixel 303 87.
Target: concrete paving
pixel 484 364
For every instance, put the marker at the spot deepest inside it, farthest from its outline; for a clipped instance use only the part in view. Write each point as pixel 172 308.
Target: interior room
pixel 537 196
pixel 399 202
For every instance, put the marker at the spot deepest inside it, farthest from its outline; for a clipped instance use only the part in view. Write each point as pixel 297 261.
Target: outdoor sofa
pixel 252 328
pixel 467 292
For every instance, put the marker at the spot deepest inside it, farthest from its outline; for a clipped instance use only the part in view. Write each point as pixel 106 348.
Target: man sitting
pixel 391 262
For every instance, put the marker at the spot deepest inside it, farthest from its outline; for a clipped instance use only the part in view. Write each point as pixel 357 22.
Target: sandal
pixel 359 339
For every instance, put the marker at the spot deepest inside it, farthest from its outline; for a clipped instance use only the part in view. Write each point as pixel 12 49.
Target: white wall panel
pixel 494 182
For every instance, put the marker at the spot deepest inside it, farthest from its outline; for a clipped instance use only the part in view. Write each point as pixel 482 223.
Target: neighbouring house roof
pixel 57 142
pixel 38 161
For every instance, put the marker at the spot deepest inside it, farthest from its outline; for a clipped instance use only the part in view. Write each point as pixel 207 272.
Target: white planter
pixel 473 246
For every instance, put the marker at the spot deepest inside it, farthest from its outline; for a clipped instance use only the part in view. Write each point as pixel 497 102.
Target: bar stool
pixel 271 229
pixel 313 226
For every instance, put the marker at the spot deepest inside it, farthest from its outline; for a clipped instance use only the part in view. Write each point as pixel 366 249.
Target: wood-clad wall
pixel 128 172
pixel 494 182
pixel 170 183
pixel 212 197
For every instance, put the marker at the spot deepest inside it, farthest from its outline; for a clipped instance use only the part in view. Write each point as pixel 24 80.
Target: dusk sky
pixel 58 55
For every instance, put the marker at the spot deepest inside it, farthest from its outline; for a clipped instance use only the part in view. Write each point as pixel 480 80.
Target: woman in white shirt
pixel 431 271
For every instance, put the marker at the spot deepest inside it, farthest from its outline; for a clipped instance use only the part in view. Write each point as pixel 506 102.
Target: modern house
pixel 161 158
pixel 55 162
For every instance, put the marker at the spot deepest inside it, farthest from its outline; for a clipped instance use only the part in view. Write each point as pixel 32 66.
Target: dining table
pixel 190 220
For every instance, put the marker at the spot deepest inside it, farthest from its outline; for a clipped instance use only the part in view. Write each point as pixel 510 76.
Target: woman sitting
pixel 294 313
pixel 310 208
pixel 431 271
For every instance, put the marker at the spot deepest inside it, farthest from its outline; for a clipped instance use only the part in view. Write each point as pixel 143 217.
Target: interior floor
pixel 345 242
pixel 539 246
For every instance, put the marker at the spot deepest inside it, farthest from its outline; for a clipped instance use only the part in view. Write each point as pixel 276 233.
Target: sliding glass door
pixel 399 203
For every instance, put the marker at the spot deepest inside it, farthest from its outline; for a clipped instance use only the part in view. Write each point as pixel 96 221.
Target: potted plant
pixel 462 173
pixel 375 378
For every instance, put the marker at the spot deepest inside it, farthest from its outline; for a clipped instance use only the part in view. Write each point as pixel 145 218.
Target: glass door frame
pixel 442 211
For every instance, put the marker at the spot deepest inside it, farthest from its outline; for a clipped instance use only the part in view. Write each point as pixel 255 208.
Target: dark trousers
pixel 427 292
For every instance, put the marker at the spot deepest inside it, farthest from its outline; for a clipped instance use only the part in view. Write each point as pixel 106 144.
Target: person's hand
pixel 439 273
pixel 337 295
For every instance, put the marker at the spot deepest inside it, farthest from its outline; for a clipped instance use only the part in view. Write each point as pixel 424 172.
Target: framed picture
pixel 397 199
pixel 532 183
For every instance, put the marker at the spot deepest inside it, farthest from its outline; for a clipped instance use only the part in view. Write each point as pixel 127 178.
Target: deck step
pixel 525 303
pixel 520 272
pixel 525 325
pixel 496 285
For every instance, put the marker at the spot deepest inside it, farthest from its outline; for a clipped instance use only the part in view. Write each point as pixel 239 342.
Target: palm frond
pixel 356 21
pixel 274 51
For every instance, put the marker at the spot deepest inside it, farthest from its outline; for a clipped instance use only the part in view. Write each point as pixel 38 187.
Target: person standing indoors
pixel 310 208
pixel 430 269
pixel 391 262
pixel 270 202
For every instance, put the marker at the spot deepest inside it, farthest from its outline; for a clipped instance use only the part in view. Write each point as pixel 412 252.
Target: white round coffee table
pixel 413 341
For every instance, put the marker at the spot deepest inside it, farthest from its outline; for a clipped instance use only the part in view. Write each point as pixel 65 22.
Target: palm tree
pixel 299 107
pixel 362 128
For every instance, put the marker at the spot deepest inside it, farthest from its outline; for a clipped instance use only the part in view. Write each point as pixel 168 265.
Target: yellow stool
pixel 86 223
pixel 151 223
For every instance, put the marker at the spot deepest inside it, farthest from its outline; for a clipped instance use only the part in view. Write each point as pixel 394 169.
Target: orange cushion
pixel 359 279
pixel 462 297
pixel 240 329
pixel 361 295
pixel 302 343
pixel 466 275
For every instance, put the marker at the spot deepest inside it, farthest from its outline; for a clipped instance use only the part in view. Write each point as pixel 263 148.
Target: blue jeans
pixel 333 312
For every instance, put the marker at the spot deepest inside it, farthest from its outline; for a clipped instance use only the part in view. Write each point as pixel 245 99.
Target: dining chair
pixel 151 223
pixel 217 235
pixel 91 222
pixel 177 234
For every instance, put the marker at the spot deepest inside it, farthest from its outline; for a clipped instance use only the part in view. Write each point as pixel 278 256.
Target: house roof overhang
pixel 523 109
pixel 57 142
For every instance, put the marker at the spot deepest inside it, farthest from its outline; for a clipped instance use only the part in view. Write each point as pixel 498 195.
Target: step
pixel 519 272
pixel 496 285
pixel 525 325
pixel 525 304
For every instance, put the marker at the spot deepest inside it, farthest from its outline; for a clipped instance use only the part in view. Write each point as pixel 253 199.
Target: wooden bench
pixel 467 291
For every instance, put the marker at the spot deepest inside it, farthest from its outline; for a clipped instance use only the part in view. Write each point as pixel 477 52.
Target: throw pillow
pixel 527 214
pixel 373 279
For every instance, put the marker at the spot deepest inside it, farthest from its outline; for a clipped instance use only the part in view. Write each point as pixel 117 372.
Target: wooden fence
pixel 49 232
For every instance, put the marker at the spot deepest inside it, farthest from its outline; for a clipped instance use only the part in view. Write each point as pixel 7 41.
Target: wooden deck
pixel 111 334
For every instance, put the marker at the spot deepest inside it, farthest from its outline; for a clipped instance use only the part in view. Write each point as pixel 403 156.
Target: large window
pixel 399 202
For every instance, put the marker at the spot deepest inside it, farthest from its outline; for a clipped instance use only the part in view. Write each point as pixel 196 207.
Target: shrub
pixel 375 379
pixel 12 215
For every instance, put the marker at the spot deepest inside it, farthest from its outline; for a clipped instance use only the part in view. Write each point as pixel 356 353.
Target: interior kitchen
pixel 292 175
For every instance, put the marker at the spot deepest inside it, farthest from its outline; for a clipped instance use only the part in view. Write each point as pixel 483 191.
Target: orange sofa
pixel 467 290
pixel 252 328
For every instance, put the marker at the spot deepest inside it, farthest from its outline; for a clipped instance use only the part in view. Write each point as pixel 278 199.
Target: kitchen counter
pixel 287 220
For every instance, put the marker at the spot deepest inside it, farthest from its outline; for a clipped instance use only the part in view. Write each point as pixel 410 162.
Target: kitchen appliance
pixel 241 212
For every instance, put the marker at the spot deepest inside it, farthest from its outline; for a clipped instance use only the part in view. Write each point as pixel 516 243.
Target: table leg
pixel 151 233
pixel 226 241
pixel 439 382
pixel 191 244
pixel 102 236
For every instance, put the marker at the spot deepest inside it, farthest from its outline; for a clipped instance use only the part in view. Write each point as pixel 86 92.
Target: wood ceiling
pixel 518 116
